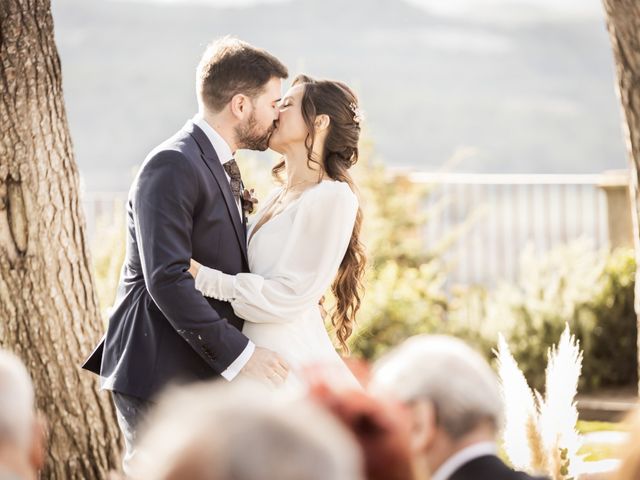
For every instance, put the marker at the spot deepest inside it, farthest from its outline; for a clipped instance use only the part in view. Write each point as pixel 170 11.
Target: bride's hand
pixel 193 269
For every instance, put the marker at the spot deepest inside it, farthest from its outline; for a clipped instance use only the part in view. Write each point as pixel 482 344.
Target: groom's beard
pixel 250 138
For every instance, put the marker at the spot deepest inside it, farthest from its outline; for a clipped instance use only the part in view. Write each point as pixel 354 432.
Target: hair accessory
pixel 358 114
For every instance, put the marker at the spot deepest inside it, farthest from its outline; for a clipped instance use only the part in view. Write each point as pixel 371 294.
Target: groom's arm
pixel 164 200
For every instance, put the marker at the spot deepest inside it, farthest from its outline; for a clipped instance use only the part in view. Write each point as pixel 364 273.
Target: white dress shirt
pixel 463 457
pixel 225 154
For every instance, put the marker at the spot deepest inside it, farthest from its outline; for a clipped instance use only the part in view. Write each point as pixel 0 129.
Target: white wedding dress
pixel 293 258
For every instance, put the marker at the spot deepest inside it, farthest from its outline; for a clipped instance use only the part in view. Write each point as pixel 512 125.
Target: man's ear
pixel 38 442
pixel 424 425
pixel 239 106
pixel 321 122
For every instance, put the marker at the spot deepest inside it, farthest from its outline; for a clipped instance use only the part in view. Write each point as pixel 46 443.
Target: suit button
pixel 208 353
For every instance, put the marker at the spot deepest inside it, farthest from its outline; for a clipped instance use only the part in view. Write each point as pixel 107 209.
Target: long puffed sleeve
pixel 308 260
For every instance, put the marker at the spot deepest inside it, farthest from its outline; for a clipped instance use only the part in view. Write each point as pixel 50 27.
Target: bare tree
pixel 49 312
pixel 623 22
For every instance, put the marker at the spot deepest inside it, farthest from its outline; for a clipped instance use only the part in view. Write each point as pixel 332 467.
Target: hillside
pixel 532 95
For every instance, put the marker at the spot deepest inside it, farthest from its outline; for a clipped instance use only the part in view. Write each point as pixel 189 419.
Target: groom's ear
pixel 322 122
pixel 239 104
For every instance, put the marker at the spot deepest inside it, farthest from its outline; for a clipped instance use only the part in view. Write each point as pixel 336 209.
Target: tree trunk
pixel 49 313
pixel 623 22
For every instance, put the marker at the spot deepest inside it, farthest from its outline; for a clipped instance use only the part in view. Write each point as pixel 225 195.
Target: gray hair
pixel 17 412
pixel 224 432
pixel 456 379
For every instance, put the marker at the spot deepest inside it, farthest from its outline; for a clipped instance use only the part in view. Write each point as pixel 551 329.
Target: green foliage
pixel 400 301
pixel 593 452
pixel 404 292
pixel 404 287
pixel 108 257
pixel 589 426
pixel 611 325
pixel 394 216
pixel 590 290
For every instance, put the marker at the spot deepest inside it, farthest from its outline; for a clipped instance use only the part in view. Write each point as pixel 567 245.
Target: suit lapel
pixel 210 158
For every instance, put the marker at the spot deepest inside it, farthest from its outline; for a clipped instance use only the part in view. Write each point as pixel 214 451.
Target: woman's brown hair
pixel 340 104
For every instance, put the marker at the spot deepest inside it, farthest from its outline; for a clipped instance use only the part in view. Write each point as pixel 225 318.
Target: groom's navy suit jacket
pixel 162 330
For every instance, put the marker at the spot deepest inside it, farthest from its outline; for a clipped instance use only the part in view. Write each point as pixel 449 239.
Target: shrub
pixel 590 290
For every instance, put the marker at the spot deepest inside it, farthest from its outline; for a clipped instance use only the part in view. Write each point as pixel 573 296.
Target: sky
pixel 580 8
pixel 587 8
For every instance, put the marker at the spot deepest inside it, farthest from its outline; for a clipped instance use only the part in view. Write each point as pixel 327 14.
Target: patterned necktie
pixel 231 167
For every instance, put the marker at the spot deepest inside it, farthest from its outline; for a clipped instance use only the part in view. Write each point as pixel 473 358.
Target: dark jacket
pixel 162 330
pixel 489 467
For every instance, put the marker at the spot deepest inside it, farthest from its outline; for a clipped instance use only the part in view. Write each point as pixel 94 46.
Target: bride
pixel 305 238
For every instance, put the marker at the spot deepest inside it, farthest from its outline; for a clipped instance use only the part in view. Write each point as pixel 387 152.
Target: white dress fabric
pixel 294 258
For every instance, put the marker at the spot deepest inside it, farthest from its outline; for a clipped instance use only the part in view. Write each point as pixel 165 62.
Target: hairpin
pixel 358 114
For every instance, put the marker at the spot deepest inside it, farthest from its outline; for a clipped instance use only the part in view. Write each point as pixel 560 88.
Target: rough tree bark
pixel 623 22
pixel 49 312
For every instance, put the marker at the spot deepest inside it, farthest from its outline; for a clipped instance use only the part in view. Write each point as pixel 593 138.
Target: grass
pixel 594 452
pixel 585 426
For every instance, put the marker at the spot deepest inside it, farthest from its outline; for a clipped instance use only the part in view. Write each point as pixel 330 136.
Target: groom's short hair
pixel 230 66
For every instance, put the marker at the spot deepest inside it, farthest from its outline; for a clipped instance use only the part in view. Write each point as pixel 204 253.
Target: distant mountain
pixel 533 95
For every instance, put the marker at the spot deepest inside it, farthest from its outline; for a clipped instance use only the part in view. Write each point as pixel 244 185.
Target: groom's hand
pixel 265 365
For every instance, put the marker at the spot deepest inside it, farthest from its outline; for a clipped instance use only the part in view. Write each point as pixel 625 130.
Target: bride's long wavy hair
pixel 338 102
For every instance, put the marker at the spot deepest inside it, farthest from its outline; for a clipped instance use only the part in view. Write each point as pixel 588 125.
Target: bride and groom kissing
pixel 205 294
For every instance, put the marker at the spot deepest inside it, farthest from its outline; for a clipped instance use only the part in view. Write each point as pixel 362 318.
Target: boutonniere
pixel 249 201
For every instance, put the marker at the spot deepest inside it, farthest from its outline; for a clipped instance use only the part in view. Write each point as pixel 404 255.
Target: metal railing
pixel 490 218
pixel 498 216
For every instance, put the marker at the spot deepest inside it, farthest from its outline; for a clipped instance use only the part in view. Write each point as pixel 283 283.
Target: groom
pixel 186 203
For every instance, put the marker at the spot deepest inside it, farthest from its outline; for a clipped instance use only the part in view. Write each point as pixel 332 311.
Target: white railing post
pixel 615 184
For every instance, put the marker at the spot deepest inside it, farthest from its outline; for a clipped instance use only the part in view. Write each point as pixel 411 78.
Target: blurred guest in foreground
pixel 455 404
pixel 382 428
pixel 22 432
pixel 630 460
pixel 242 432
